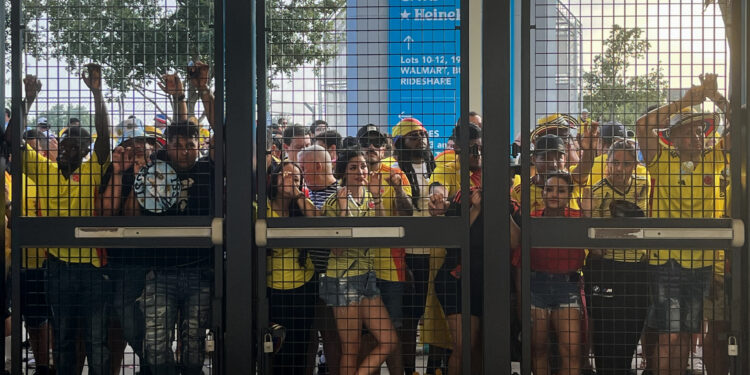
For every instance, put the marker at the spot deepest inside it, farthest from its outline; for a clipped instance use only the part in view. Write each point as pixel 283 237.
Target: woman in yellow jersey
pixel 289 276
pixel 616 280
pixel 349 282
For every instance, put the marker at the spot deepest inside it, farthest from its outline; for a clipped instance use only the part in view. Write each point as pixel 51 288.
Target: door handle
pixel 263 233
pixel 214 232
pixel 735 233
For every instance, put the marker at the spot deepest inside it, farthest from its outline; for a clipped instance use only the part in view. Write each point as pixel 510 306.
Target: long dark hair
pixel 342 160
pixel 401 153
pixel 274 189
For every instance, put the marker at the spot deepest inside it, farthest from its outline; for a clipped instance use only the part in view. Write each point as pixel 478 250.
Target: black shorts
pixel 448 290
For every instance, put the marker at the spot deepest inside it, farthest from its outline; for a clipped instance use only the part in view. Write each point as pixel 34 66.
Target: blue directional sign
pixel 424 65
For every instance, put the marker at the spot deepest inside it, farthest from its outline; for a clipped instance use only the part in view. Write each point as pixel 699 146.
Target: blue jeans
pixel 128 283
pixel 167 292
pixel 76 293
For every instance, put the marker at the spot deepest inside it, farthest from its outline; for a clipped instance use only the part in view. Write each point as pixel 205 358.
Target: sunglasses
pixel 375 141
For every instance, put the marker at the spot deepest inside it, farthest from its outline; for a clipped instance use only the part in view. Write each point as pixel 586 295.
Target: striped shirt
pixel 318 197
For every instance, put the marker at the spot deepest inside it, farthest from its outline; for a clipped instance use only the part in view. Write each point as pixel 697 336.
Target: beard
pixel 411 154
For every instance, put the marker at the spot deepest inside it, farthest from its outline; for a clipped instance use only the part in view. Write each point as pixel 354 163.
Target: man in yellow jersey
pixel 413 155
pixel 549 157
pixel 688 175
pixel 389 263
pixel 67 188
pixel 445 181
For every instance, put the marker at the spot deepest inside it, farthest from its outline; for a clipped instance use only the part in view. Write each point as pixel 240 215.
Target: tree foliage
pixel 136 41
pixel 611 90
pixel 58 116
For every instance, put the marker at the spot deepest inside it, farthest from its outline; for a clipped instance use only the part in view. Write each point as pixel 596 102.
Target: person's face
pixel 7 118
pixel 289 179
pixel 42 127
pixel 357 173
pixel 183 152
pixel 556 193
pixel 475 154
pixel 70 152
pixel 75 124
pixel 416 140
pixel 688 137
pixel 320 129
pixel 297 144
pixel 142 151
pixel 584 115
pixel 549 162
pixel 476 119
pixel 374 144
pixel 451 144
pixel 620 166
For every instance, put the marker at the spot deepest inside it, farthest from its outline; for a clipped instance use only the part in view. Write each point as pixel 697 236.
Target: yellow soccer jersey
pixel 603 193
pixel 351 262
pixel 389 262
pixel 33 257
pixel 448 173
pixel 283 267
pixel 61 197
pixel 681 193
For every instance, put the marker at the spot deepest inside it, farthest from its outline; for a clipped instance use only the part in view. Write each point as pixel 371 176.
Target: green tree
pixel 136 41
pixel 610 89
pixel 58 116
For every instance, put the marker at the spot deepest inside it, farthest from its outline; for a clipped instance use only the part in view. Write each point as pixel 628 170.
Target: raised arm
pixel 172 86
pixel 198 74
pixel 646 126
pixel 33 86
pixel 92 77
pixel 711 89
pixel 589 144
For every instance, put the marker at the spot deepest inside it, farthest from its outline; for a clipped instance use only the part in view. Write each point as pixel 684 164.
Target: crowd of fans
pixel 370 306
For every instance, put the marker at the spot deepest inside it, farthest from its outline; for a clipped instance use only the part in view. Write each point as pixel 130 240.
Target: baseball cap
pixel 549 142
pixel 406 126
pixel 367 129
pixel 42 121
pixel 613 129
pixel 584 110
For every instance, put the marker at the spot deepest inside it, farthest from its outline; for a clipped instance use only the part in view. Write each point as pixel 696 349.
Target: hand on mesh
pixel 198 74
pixel 590 137
pixel 438 205
pixel 32 85
pixel 710 87
pixel 122 159
pixel 373 185
pixel 92 76
pixel 171 85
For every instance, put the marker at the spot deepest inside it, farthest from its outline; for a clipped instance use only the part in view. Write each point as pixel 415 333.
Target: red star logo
pixel 708 180
pixel 76 177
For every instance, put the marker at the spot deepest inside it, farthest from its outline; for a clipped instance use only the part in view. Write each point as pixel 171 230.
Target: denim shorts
pixel 344 291
pixel 392 294
pixel 552 291
pixel 677 295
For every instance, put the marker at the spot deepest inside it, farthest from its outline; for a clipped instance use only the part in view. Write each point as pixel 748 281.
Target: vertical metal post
pixel 739 82
pixel 526 72
pixel 259 259
pixel 463 142
pixel 18 110
pixel 240 112
pixel 496 110
pixel 218 198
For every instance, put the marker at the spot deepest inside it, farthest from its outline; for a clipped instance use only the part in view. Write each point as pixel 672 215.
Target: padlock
pixel 732 347
pixel 267 343
pixel 210 344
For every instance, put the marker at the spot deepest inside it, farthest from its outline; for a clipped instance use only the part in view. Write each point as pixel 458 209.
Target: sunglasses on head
pixel 375 141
